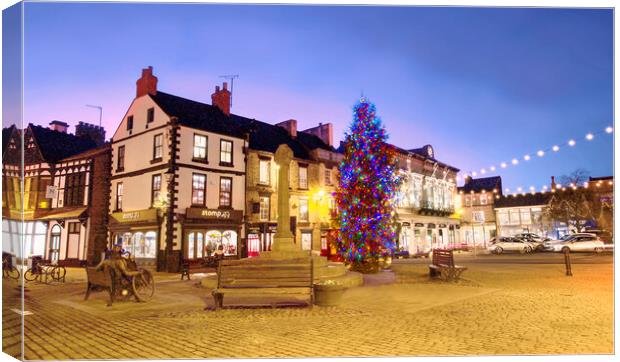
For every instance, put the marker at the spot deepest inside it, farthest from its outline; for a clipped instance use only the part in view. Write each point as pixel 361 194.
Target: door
pixel 306 241
pixel 54 247
pixel 73 240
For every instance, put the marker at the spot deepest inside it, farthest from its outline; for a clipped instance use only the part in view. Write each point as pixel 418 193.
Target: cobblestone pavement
pixel 495 309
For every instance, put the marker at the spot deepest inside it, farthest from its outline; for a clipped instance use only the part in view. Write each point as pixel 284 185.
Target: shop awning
pixel 75 213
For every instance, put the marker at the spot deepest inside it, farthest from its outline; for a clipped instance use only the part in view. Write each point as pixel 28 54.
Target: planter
pixel 328 295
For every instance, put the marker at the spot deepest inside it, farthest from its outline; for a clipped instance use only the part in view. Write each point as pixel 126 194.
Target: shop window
pixel 323 241
pixel 405 235
pixel 120 161
pixel 199 184
pixel 303 177
pixel 196 246
pixel 225 191
pixel 226 153
pixel 263 171
pixel 303 210
pixel 119 196
pixel 200 148
pixel 139 244
pixel 158 147
pixel 264 208
pixel 306 241
pixel 226 239
pixel 253 245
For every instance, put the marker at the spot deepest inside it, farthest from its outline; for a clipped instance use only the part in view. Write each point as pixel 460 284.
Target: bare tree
pixel 575 204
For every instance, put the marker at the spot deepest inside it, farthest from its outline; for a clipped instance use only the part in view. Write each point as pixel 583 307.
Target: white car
pixel 581 243
pixel 534 239
pixel 548 245
pixel 502 244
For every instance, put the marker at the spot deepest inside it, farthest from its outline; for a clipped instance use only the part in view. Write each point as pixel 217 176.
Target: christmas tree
pixel 368 183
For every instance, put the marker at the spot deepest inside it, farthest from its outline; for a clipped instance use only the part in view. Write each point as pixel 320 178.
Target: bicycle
pixel 8 269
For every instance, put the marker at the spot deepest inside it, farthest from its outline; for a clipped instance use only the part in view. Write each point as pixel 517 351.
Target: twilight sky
pixel 481 85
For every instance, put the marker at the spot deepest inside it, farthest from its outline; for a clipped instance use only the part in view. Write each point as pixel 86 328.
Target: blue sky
pixel 482 85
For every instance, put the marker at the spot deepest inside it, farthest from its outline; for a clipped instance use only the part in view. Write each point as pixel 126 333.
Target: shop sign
pixel 213 214
pixel 148 215
pixel 50 192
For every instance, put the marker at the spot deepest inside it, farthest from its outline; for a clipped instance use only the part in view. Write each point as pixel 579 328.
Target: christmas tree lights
pixel 367 186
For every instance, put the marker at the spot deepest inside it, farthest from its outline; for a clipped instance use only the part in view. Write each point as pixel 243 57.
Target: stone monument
pixel 283 246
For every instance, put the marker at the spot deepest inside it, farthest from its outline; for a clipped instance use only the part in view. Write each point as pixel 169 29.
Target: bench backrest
pixel 99 277
pixel 443 257
pixel 292 273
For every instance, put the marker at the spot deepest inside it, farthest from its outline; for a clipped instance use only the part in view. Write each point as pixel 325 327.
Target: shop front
pixel 419 238
pixel 260 238
pixel 66 237
pixel 211 231
pixel 138 232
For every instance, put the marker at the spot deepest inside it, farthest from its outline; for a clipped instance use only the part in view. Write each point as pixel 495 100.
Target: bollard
pixel 569 272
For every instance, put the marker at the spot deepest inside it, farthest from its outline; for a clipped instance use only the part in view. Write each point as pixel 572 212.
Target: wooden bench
pixel 201 265
pixel 100 279
pixel 443 265
pixel 271 279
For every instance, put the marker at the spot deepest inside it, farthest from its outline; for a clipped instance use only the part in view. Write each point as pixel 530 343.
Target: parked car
pixel 604 235
pixel 502 244
pixel 548 245
pixel 534 239
pixel 581 243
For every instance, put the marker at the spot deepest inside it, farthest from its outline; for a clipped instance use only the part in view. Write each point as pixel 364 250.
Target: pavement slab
pixel 496 309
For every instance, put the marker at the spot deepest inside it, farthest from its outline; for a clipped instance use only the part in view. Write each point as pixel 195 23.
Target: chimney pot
pixel 221 99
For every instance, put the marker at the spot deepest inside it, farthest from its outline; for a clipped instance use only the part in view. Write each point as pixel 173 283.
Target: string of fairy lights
pixel 590 136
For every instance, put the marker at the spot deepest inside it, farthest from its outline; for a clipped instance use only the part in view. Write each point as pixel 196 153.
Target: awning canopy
pixel 75 213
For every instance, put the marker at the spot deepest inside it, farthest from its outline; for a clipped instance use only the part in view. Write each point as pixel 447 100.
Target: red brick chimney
pixel 290 126
pixel 147 84
pixel 221 98
pixel 324 132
